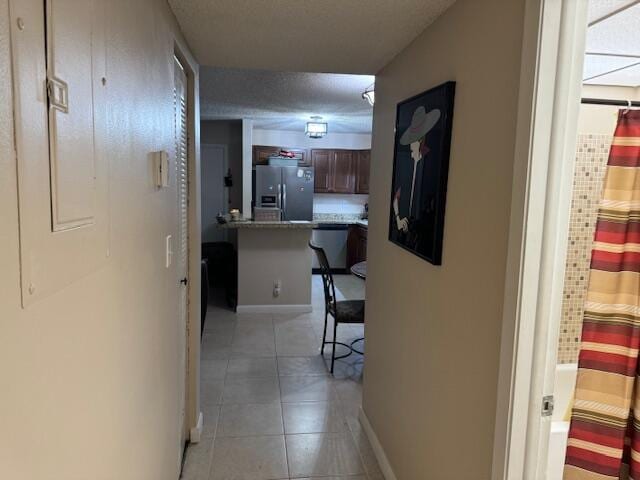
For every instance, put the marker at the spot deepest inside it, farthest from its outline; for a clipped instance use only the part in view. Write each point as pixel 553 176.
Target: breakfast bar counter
pixel 253 224
pixel 274 266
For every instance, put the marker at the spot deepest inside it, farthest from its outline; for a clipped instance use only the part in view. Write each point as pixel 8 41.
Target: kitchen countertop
pixel 349 219
pixel 293 224
pixel 362 222
pixel 267 225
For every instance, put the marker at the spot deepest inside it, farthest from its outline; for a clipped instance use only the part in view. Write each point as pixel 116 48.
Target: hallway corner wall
pixel 90 381
pixel 433 332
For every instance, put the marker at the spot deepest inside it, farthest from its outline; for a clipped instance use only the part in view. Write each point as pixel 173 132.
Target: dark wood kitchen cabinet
pixel 321 161
pixel 356 245
pixel 344 172
pixel 334 170
pixel 261 154
pixel 362 171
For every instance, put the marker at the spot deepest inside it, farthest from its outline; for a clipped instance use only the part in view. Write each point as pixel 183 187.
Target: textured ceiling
pixel 339 36
pixel 599 9
pixel 613 43
pixel 285 101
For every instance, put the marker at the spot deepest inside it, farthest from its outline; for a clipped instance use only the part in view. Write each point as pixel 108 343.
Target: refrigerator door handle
pixel 284 201
pixel 279 197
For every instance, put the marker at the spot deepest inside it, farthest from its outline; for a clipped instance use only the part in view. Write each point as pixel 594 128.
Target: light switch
pixel 161 168
pixel 169 251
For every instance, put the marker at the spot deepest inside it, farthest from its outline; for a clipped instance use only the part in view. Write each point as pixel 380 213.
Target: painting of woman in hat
pixel 420 172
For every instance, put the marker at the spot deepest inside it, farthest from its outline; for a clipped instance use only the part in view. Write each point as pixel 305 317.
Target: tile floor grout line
pixel 335 397
pixel 213 443
pixel 284 431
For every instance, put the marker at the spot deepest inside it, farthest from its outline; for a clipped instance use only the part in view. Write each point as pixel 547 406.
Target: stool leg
pixel 324 333
pixel 335 339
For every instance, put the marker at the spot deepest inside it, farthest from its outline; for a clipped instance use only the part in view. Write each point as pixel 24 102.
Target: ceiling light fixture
pixel 370 94
pixel 315 128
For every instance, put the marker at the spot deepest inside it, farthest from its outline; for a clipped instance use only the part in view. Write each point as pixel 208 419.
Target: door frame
pixel 193 415
pixel 549 100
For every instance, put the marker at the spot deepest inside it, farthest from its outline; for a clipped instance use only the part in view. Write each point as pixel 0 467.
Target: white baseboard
pixel 274 308
pixel 383 461
pixel 196 432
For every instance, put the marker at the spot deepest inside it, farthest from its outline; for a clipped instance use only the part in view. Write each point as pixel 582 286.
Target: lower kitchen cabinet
pixel 356 245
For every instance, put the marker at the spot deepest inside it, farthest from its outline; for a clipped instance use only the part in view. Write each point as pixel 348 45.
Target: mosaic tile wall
pixel 591 161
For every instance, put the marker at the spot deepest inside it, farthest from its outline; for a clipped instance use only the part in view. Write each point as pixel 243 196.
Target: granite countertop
pixel 317 220
pixel 267 225
pixel 349 219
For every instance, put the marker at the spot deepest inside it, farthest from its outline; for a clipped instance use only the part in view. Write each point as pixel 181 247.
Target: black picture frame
pixel 420 172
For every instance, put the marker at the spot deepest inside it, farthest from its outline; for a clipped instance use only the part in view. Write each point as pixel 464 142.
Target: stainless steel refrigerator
pixel 289 189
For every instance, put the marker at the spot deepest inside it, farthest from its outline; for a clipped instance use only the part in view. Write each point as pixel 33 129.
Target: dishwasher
pixel 332 237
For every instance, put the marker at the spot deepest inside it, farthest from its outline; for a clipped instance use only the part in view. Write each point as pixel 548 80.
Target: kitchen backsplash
pixel 327 203
pixel 337 217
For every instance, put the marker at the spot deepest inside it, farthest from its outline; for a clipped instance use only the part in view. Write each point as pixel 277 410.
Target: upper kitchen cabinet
pixel 261 154
pixel 362 171
pixel 341 171
pixel 334 170
pixel 321 161
pixel 62 172
pixel 344 179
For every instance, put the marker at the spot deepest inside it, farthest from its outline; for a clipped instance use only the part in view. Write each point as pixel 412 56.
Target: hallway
pixel 271 411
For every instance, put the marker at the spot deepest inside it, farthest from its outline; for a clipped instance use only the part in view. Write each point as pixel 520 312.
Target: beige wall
pixel 433 333
pixel 89 375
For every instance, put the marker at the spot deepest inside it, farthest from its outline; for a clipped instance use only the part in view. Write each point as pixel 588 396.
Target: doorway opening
pixel 571 323
pixel 261 348
pixel 297 150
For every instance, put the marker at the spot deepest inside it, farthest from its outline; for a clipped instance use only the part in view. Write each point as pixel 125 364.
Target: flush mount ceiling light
pixel 370 94
pixel 315 128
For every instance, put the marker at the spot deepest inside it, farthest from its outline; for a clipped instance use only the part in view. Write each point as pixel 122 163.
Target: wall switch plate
pixel 169 251
pixel 161 168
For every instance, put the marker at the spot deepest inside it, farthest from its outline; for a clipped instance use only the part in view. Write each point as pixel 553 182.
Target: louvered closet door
pixel 182 257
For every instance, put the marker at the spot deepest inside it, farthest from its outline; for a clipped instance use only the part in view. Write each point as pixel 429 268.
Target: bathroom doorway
pixel 588 75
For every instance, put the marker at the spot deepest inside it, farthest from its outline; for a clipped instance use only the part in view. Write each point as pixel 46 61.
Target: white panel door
pixel 182 261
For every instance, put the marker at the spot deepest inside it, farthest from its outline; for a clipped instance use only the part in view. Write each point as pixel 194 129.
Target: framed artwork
pixel 420 171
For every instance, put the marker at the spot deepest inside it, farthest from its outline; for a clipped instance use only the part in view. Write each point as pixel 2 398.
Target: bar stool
pixel 342 311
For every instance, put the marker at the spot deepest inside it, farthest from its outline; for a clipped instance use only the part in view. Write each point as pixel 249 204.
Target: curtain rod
pixel 614 103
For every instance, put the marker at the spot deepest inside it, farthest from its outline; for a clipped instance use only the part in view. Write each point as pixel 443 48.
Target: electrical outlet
pixel 277 286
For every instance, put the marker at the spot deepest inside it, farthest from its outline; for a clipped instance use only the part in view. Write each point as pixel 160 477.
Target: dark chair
pixel 223 268
pixel 343 311
pixel 204 293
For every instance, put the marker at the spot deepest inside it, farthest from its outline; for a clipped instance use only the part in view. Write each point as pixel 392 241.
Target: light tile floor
pixel 271 409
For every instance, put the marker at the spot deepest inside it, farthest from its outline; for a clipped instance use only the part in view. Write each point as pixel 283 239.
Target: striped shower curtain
pixel 604 437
